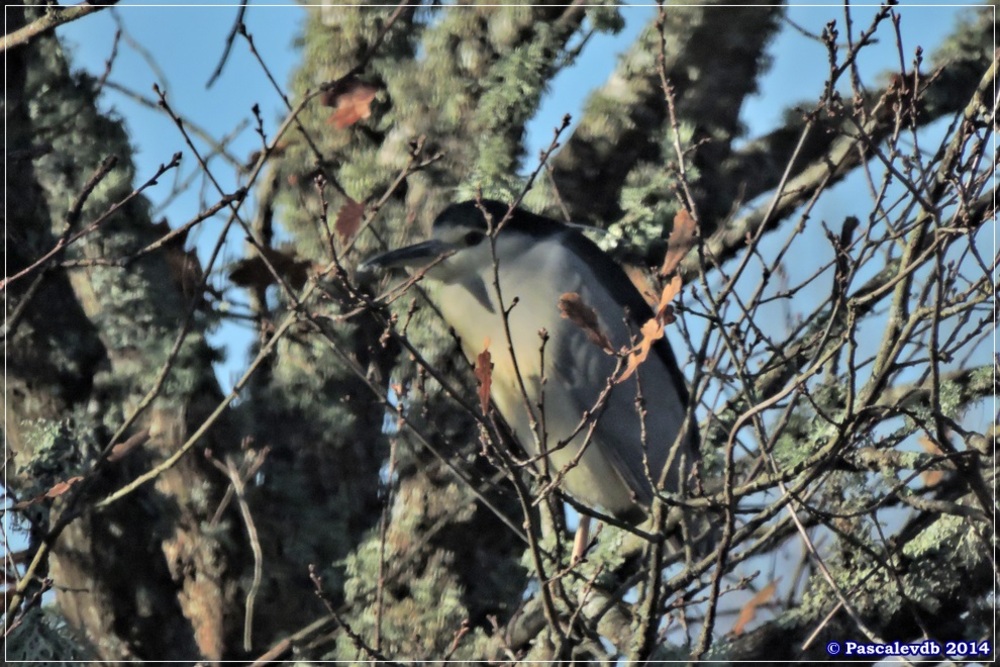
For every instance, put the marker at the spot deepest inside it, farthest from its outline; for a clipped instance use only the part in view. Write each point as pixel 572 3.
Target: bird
pixel 551 395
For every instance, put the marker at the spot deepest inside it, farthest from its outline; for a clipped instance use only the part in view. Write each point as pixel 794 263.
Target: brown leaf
pixel 349 219
pixel 56 491
pixel 930 477
pixel 119 451
pixel 680 241
pixel 351 100
pixel 652 330
pixel 642 283
pixel 253 272
pixel 28 503
pixel 484 376
pixel 62 487
pixel 749 610
pixel 669 293
pixel 572 308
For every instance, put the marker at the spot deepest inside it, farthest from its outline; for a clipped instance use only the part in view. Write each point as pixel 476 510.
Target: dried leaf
pixel 56 491
pixel 652 330
pixel 572 308
pixel 119 451
pixel 680 241
pixel 349 220
pixel 642 283
pixel 930 477
pixel 253 272
pixel 28 503
pixel 484 376
pixel 351 100
pixel 749 610
pixel 669 293
pixel 62 487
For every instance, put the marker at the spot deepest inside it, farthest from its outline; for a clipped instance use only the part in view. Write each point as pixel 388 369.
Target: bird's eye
pixel 472 238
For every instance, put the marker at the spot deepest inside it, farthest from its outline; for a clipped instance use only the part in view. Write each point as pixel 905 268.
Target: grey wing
pixel 636 454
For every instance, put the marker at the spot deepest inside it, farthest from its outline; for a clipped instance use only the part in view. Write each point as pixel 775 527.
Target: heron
pixel 501 274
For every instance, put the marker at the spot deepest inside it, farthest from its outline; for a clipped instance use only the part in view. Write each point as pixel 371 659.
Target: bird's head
pixel 459 244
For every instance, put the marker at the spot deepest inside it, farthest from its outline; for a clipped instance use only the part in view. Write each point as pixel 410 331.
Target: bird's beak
pixel 417 255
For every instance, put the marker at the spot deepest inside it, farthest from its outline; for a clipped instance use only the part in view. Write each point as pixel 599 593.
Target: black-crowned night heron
pixel 538 260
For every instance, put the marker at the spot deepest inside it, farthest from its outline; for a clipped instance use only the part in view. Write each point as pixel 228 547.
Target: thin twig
pixel 230 38
pixel 51 19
